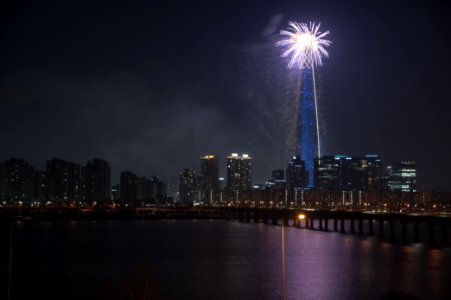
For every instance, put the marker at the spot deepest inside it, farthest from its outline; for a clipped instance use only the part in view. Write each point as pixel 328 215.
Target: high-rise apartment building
pixel 187 186
pixel 17 181
pixel 208 182
pixel 128 188
pixel 96 181
pixel 62 181
pixel 239 172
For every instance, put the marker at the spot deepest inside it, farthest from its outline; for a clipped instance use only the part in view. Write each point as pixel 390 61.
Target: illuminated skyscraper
pixel 327 173
pixel 209 181
pixel 308 139
pixel 296 174
pixel 239 172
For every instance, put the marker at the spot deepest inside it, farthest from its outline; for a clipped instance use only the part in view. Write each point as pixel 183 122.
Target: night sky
pixel 151 86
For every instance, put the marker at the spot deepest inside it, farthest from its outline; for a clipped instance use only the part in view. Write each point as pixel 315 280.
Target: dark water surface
pixel 216 260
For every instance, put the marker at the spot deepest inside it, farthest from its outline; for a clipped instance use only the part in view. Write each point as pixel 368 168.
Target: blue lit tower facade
pixel 308 130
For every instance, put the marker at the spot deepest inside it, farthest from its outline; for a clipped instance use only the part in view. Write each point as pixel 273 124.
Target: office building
pixel 404 177
pixel 296 173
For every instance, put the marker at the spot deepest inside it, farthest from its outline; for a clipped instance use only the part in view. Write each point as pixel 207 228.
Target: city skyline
pixel 65 178
pixel 93 86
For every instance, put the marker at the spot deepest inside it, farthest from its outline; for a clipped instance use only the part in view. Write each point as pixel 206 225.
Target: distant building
pixel 353 174
pixel 172 186
pixel 239 176
pixel 62 181
pixel 327 173
pixel 404 177
pixel 128 188
pixel 116 192
pixel 277 180
pixel 386 178
pixel 143 187
pixel 158 189
pixel 39 188
pixel 187 186
pixel 296 173
pixel 341 172
pixel 278 174
pixel 239 172
pixel 96 181
pixel 17 181
pixel 209 181
pixel 373 164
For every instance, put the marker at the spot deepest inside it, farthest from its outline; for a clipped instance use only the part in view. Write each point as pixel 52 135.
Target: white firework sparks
pixel 305 44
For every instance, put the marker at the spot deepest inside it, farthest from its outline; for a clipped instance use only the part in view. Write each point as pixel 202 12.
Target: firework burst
pixel 304 44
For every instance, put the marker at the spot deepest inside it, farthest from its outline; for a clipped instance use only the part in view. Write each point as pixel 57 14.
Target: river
pixel 216 259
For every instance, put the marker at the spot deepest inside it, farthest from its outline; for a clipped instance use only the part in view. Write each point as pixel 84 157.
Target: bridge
pixel 391 226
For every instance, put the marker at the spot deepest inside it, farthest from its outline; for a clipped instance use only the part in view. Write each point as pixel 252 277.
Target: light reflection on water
pixel 219 260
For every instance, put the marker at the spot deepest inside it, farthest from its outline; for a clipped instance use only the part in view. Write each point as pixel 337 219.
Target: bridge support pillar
pixel 311 224
pixel 404 232
pixel 352 225
pixel 326 224
pixel 240 216
pixel 381 228
pixel 431 233
pixel 342 225
pixel 444 235
pixel 371 227
pixel 416 232
pixel 256 217
pixel 335 224
pixel 392 230
pixel 360 226
pixel 285 221
pixel 320 221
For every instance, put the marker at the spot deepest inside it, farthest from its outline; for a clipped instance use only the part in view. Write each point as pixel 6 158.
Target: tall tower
pixel 308 130
pixel 305 45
